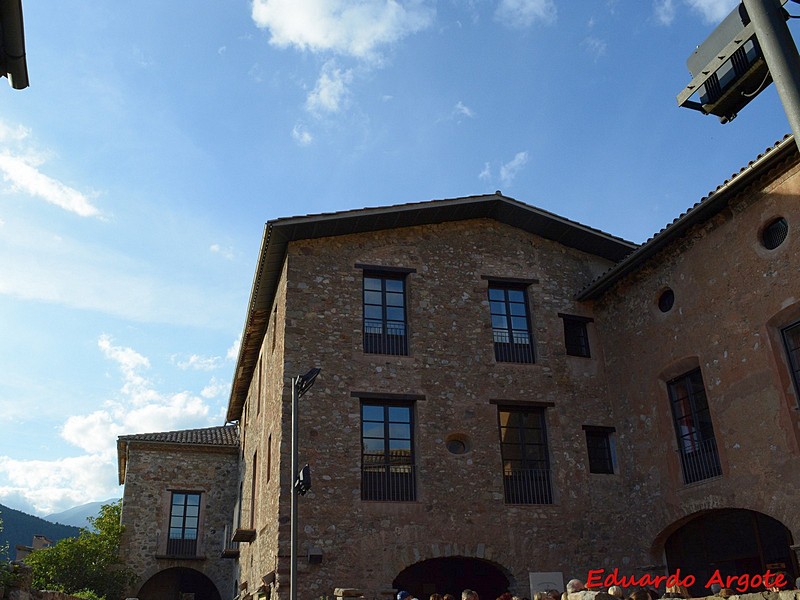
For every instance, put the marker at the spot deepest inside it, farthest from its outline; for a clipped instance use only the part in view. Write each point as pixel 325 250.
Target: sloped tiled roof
pixel 226 435
pixel 703 210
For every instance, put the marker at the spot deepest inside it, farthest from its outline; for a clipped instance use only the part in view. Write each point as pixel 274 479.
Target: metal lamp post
pixel 300 385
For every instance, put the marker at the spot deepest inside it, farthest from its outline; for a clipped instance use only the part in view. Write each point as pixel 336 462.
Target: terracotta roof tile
pixel 226 435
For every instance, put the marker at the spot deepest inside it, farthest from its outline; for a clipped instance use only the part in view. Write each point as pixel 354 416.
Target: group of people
pixel 577 590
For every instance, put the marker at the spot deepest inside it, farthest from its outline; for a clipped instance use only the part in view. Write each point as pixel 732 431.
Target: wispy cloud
pixel 226 252
pixel 48 486
pixel 357 29
pixel 486 173
pixel 330 94
pixel 712 11
pixel 233 351
pixel 302 135
pixel 519 14
pixel 462 110
pixel 595 46
pixel 664 11
pixel 509 171
pixel 20 163
pixel 195 362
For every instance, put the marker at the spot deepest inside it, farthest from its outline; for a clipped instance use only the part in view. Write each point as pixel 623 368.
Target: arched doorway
pixel 179 583
pixel 452 575
pixel 734 542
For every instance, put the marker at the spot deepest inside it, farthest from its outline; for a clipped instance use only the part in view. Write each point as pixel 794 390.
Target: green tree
pixel 89 562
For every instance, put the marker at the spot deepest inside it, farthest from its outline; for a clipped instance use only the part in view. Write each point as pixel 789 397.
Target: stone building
pixel 509 399
pixel 177 503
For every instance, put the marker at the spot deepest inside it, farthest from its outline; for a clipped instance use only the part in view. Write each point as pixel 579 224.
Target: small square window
pixel 576 335
pixel 600 447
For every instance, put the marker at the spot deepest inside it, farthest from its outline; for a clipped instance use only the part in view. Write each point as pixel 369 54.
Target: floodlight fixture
pixel 729 68
pixel 304 382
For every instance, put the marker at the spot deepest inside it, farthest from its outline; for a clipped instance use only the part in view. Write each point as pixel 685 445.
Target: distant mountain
pixel 77 516
pixel 19 529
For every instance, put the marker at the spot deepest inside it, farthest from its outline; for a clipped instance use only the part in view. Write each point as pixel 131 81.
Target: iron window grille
pixel 511 329
pixel 523 449
pixel 385 330
pixel 791 341
pixel 694 429
pixel 388 470
pixel 184 522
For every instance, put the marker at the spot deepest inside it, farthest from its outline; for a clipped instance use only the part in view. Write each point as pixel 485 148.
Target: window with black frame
pixel 523 449
pixel 511 328
pixel 387 451
pixel 184 523
pixel 576 335
pixel 791 341
pixel 600 449
pixel 385 329
pixel 693 427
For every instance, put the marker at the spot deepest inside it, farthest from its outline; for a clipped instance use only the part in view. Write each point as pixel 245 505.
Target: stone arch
pixel 453 574
pixel 172 583
pixel 733 541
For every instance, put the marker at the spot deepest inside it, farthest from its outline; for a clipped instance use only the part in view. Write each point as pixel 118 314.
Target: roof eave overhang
pixel 280 232
pixel 701 212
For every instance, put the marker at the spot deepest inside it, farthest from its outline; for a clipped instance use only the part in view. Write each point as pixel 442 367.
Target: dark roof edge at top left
pixel 279 233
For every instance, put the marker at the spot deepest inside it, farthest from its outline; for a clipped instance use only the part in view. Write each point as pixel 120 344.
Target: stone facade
pixel 463 525
pixel 153 468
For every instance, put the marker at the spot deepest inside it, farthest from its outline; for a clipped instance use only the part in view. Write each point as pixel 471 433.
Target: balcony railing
pixel 700 461
pixel 527 486
pixel 389 339
pixel 514 350
pixel 391 483
pixel 182 547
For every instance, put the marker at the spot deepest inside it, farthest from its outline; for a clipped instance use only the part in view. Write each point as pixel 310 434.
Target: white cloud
pixel 463 110
pixel 330 94
pixel 344 27
pixel 50 486
pixel 524 13
pixel 486 174
pixel 712 11
pixel 25 177
pixel 215 389
pixel 233 351
pixel 665 11
pixel 19 165
pixel 301 135
pixel 196 362
pixel 509 170
pixel 594 46
pixel 224 252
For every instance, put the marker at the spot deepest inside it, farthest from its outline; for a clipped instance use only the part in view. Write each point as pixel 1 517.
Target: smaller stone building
pixel 177 502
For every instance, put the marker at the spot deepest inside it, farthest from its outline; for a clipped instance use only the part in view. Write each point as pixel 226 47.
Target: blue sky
pixel 157 138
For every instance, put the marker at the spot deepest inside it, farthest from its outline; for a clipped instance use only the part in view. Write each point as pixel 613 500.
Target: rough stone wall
pixel 153 472
pixel 732 297
pixel 460 509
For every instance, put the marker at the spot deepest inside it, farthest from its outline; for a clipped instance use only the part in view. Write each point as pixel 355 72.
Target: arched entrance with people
pixel 179 583
pixel 730 542
pixel 452 575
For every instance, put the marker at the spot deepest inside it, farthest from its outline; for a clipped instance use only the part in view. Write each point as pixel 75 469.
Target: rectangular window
pixel 600 447
pixel 576 335
pixel 523 448
pixel 693 428
pixel 791 341
pixel 184 523
pixel 385 313
pixel 511 328
pixel 253 488
pixel 387 451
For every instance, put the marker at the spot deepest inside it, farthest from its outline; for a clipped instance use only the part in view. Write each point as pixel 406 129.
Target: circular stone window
pixel 457 443
pixel 775 233
pixel 666 300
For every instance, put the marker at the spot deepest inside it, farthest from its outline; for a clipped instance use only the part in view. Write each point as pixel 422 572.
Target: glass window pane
pixel 193 499
pixel 395 314
pixel 373 446
pixel 401 446
pixel 372 430
pixel 370 412
pixel 519 323
pixel 499 322
pixel 399 414
pixel 373 298
pixel 192 511
pixel 496 294
pixel 516 296
pixel 178 498
pixel 498 308
pixel 400 431
pixel 394 300
pixel 373 312
pixel 372 283
pixel 394 285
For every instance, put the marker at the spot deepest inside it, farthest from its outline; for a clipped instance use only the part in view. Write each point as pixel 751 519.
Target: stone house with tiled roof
pixel 177 503
pixel 509 399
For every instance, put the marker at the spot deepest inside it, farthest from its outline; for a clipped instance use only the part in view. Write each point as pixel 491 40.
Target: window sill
pixel 244 535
